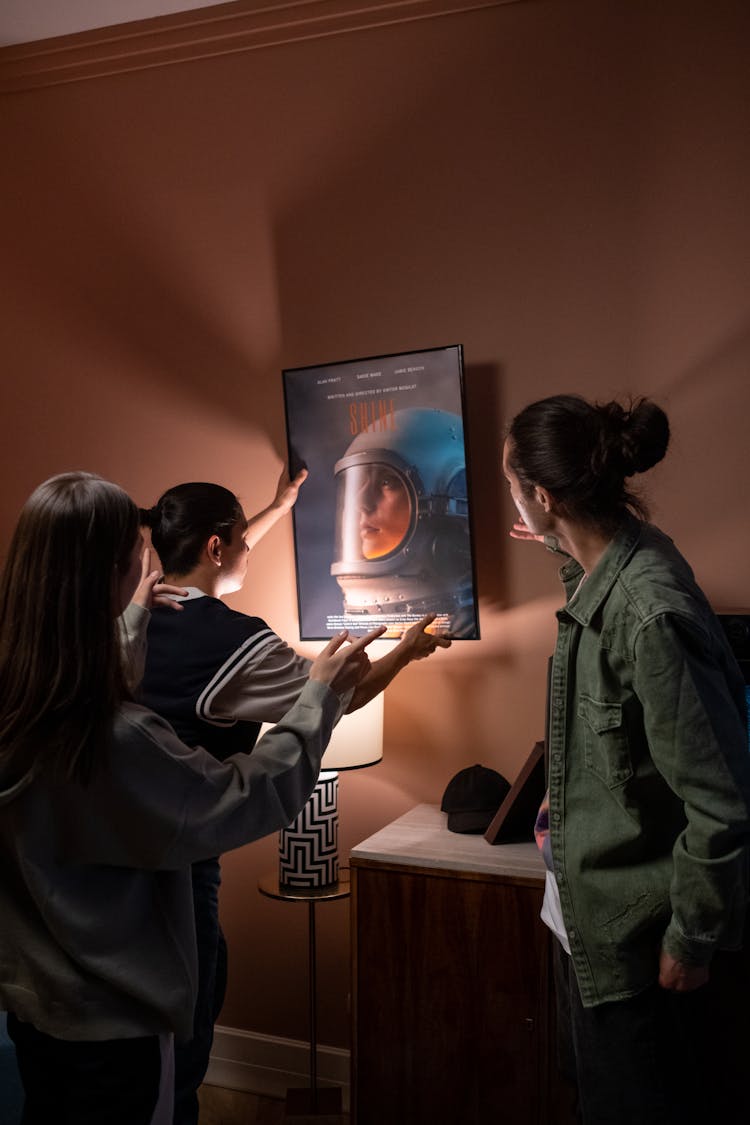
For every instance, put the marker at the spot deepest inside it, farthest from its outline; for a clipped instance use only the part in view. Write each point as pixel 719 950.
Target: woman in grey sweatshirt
pixel 103 809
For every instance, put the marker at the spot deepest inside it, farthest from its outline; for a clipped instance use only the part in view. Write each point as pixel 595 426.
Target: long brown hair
pixel 61 669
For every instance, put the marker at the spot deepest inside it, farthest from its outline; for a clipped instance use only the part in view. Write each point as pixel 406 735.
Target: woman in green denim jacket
pixel 649 771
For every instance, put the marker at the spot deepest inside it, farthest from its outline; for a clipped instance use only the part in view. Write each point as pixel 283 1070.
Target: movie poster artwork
pixel 382 526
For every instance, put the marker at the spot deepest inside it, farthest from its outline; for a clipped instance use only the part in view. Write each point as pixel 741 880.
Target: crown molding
pixel 246 25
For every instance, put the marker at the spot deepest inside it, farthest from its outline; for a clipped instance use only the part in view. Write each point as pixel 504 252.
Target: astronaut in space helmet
pixel 402 527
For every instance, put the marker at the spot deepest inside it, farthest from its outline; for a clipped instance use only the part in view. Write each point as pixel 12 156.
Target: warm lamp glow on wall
pixel 308 848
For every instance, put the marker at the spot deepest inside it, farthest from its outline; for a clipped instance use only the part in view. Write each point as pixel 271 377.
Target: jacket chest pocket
pixel 606 749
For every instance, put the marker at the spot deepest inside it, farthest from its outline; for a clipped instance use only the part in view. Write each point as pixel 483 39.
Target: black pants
pixel 647 1060
pixel 115 1081
pixel 192 1058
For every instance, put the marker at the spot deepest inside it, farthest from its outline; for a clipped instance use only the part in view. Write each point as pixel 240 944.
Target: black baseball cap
pixel 472 798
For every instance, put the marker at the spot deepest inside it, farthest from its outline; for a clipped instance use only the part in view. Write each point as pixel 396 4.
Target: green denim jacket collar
pixel 584 600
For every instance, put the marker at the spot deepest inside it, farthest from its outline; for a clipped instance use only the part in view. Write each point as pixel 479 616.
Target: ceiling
pixel 25 21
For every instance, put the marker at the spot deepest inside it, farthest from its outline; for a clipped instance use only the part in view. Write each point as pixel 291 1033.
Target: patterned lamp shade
pixel 308 848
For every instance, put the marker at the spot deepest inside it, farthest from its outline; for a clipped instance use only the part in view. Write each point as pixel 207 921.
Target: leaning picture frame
pixel 382 524
pixel 513 823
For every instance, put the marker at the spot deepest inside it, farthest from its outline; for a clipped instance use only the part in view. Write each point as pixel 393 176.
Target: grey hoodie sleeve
pixel 133 626
pixel 160 805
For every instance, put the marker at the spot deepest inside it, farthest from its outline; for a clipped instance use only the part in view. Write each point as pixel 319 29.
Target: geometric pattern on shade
pixel 308 848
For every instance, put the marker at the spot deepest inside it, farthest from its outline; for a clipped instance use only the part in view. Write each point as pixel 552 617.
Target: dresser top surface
pixel 420 838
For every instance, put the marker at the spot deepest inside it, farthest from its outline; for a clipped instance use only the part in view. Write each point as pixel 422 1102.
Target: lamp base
pixel 308 848
pixel 317 1105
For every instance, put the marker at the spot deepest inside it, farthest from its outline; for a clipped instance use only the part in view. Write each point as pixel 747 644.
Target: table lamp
pixel 308 848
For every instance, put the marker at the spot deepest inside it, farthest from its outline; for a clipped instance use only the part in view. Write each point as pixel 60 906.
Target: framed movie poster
pixel 382 528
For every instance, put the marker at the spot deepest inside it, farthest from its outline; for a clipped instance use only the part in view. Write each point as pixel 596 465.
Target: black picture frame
pixel 513 823
pixel 391 424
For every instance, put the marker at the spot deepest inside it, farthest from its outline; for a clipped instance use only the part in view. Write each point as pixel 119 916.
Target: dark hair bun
pixel 645 436
pixel 637 436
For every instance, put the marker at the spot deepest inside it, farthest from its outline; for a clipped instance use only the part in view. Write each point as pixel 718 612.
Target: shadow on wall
pixel 482 385
pixel 709 409
pixel 477 702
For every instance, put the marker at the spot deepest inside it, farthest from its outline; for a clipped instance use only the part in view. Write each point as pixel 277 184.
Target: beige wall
pixel 559 185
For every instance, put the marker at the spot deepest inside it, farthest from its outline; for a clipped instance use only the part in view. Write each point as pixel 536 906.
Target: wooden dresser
pixel 452 1001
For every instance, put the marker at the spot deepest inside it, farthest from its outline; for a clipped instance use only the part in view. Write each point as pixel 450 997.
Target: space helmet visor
pixel 374 511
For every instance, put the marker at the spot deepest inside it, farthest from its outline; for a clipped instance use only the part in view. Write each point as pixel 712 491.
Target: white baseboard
pixel 266 1065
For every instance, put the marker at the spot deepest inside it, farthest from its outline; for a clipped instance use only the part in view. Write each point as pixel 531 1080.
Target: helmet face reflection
pixel 375 511
pixel 402 544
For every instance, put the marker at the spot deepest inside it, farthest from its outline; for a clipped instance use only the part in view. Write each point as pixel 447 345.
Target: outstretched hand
pixel 287 490
pixel 418 643
pixel 521 531
pixel 342 665
pixel 151 591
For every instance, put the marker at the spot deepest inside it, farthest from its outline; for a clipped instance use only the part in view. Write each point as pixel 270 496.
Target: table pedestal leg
pixel 312 996
pixel 304 1103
